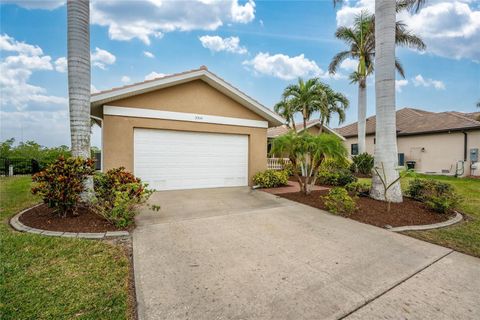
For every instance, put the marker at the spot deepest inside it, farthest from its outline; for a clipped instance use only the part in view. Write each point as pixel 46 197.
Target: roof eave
pixel 102 98
pixel 403 134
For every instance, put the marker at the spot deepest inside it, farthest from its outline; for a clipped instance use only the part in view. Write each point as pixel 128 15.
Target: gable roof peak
pixel 104 97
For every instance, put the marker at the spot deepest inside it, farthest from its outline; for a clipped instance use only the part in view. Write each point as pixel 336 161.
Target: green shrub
pixel 442 204
pixel 331 164
pixel 358 188
pixel 362 163
pixel 271 178
pixel 339 202
pixel 61 184
pixel 437 195
pixel 289 169
pixel 336 178
pixel 118 193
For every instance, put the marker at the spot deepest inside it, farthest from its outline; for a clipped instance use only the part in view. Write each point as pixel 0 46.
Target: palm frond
pixel 399 68
pixel 406 38
pixel 346 34
pixel 337 60
pixel 411 5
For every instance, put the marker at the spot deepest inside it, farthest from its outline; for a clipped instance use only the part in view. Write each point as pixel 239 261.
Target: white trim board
pixel 181 116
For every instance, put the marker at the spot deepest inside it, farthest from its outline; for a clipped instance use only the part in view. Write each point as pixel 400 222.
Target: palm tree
pixel 361 41
pixel 308 151
pixel 332 103
pixel 285 109
pixel 78 43
pixel 385 131
pixel 304 97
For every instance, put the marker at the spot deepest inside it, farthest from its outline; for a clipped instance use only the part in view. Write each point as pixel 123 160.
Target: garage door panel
pixel 169 160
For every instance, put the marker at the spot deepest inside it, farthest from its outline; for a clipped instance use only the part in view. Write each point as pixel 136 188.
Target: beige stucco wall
pixel 314 130
pixel 442 150
pixel 194 97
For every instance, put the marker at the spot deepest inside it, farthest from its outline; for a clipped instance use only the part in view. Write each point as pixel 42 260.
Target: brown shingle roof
pixel 278 131
pixel 414 121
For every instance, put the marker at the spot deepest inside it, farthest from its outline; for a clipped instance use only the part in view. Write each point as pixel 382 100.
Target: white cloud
pixel 148 54
pixel 216 44
pixel 101 58
pixel 346 14
pixel 284 67
pixel 419 80
pixel 243 13
pixel 152 75
pixel 142 20
pixel 37 4
pixel 399 84
pixel 126 79
pixel 61 64
pixel 449 28
pixel 349 64
pixel 45 127
pixel 93 89
pixel 15 72
pixel 9 44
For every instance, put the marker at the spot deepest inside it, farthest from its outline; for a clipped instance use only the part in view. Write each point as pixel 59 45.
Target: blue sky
pixel 258 46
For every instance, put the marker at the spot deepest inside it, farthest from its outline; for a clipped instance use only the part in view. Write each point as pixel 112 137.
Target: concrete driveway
pixel 234 253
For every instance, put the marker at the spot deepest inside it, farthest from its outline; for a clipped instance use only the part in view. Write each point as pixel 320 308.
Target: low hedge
pixel 271 178
pixel 438 196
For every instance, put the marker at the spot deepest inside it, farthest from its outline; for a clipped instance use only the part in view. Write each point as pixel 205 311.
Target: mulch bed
pixel 374 212
pixel 43 217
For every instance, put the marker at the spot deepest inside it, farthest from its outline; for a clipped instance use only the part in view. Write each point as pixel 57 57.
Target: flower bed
pixel 374 212
pixel 44 218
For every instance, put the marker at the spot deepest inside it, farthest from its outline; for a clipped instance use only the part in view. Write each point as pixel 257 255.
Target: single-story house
pixel 184 131
pixel 437 142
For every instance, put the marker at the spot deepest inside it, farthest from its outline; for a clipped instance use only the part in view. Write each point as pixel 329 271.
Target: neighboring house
pixel 184 131
pixel 313 127
pixel 438 142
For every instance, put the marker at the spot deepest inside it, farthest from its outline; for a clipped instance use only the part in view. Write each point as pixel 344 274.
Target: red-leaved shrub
pixel 61 184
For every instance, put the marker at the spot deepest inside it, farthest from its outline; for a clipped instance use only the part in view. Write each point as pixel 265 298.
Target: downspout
pixel 101 144
pixel 465 142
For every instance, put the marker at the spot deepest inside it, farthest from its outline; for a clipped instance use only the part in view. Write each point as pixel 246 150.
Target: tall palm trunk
pixel 78 43
pixel 362 114
pixel 386 136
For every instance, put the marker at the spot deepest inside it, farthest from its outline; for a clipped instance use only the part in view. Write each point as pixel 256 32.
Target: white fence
pixel 277 163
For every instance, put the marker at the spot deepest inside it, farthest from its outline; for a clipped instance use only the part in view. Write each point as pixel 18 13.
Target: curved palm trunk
pixel 362 115
pixel 304 117
pixel 78 43
pixel 386 137
pixel 294 126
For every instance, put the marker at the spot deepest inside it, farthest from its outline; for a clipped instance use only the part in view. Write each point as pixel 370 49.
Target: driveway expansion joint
pixel 16 224
pixel 395 285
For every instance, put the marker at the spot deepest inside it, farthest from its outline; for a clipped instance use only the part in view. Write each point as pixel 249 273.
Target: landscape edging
pixel 458 217
pixel 19 226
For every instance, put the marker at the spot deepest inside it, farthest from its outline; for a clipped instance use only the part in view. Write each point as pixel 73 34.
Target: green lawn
pixel 56 278
pixel 465 236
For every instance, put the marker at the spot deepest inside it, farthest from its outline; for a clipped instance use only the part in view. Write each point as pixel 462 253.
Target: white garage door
pixel 169 160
